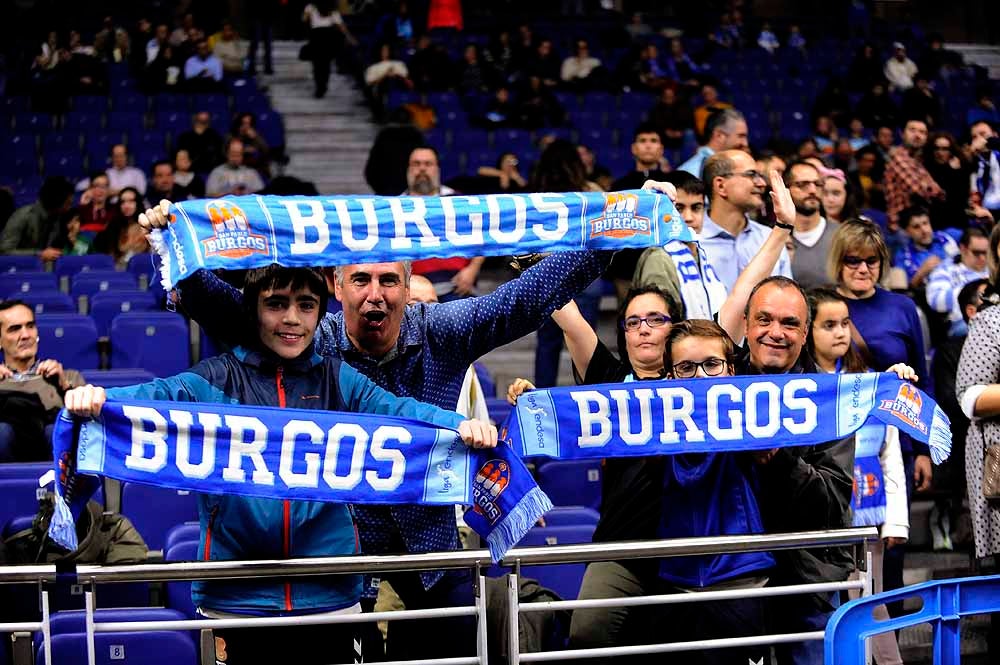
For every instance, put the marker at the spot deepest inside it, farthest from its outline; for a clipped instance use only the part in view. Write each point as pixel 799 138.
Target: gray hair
pixel 338 273
pixel 722 120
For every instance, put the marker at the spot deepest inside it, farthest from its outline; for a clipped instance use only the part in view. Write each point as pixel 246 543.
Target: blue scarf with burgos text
pixel 309 231
pixel 719 414
pixel 291 454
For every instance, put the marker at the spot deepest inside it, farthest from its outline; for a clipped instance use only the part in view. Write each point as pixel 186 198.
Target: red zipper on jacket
pixel 208 533
pixel 286 504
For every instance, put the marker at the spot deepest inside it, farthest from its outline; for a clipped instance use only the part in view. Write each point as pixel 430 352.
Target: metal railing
pixel 477 560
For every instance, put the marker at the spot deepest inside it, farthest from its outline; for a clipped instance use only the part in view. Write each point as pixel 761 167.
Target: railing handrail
pixel 209 570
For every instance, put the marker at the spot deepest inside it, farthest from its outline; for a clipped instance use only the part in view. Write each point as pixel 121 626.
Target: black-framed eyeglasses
pixel 687 369
pixel 979 253
pixel 855 261
pixel 802 184
pixel 632 323
pixel 751 174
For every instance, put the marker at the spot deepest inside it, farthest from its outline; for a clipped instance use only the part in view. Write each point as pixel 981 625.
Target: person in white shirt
pixel 233 177
pixel 326 30
pixel 121 175
pixel 380 74
pixel 899 69
pixel 158 42
pixel 948 278
pixel 577 69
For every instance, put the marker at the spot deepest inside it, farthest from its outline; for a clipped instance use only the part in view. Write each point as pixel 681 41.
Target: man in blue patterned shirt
pixel 421 351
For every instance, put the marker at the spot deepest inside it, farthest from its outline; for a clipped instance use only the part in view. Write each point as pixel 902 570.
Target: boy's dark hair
pixel 54 192
pixel 279 277
pixel 646 128
pixel 969 295
pixel 685 182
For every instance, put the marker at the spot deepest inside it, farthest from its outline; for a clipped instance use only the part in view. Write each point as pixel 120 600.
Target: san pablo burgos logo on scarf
pixel 491 480
pixel 619 218
pixel 906 406
pixel 232 237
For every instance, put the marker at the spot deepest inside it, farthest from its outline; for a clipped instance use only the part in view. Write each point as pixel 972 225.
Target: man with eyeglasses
pixel 948 279
pixel 730 239
pixel 813 233
pixel 803 488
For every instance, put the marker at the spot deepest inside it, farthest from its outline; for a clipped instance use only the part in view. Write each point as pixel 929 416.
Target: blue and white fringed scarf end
pixel 293 454
pixel 312 231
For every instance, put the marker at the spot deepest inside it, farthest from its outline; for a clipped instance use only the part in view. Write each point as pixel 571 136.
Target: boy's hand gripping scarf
pixel 310 231
pixel 292 454
pixel 719 414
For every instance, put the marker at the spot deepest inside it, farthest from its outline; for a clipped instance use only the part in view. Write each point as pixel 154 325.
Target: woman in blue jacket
pixel 279 367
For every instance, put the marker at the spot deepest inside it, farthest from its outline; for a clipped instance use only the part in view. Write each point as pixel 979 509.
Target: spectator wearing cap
pixel 899 69
pixel 948 279
pixel 925 249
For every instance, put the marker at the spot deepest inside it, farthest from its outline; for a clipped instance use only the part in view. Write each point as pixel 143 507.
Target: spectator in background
pixel 813 232
pixel 686 70
pixel 396 27
pixel 163 185
pixel 596 173
pixel 67 237
pixel 922 102
pixel 837 197
pixel 499 111
pixel 796 40
pixel 121 175
pixel 637 27
pixel 899 69
pixel 824 134
pixel 472 75
pixel 857 134
pixel 581 71
pixel 203 70
pixel 389 157
pixel 650 73
pixel 767 40
pixel 95 209
pixel 647 149
pixel 455 277
pixel 537 106
pixel 32 388
pixel 984 111
pixel 499 58
pixel 925 249
pixel 327 32
pixel 725 130
pixel 504 178
pixel 261 16
pixel 948 278
pixel 255 148
pixel 387 73
pixel 159 40
pixel 730 239
pixel 937 61
pixel 188 183
pixel 710 104
pixel 906 178
pixel 182 33
pixel 123 238
pixel 943 158
pixel 876 108
pixel 30 227
pixel 864 182
pixel 672 117
pixel 202 143
pixel 163 73
pixel 233 177
pixel 866 69
pixel 833 101
pixel 430 67
pixel 525 46
pixel 545 64
pixel 228 48
pixel 985 148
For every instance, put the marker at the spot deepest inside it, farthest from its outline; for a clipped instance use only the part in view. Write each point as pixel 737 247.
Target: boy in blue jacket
pixel 278 366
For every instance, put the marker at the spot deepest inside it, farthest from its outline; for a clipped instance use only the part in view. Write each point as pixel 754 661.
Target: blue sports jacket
pixel 235 527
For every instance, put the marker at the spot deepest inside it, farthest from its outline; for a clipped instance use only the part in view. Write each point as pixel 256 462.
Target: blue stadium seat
pixel 16 284
pixel 498 408
pixel 126 121
pixel 86 284
pixel 15 470
pixel 28 122
pixel 117 378
pixel 74 621
pixel 70 266
pixel 98 147
pixel 145 269
pixel 572 516
pixel 175 122
pixel 564 579
pixel 156 341
pixel 82 121
pixel 212 102
pixel 67 163
pixel 208 347
pixel 169 101
pixel 185 531
pixel 272 128
pixel 15 103
pixel 149 140
pixel 17 524
pixel 179 593
pixel 50 302
pixel 18 496
pixel 18 263
pixel 132 102
pixel 68 139
pixel 104 306
pixel 572 482
pixel 147 648
pixel 69 338
pixel 156 510
pixel 250 101
pixel 91 103
pixel 19 153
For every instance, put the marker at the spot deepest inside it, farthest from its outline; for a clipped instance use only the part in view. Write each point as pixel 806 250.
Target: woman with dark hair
pixel 504 178
pixel 837 196
pixel 944 162
pixel 123 238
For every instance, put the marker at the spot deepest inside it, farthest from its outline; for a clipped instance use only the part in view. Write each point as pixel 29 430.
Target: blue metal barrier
pixel 945 602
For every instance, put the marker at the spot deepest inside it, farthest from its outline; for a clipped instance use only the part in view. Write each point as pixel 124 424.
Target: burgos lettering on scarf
pixel 306 231
pixel 719 414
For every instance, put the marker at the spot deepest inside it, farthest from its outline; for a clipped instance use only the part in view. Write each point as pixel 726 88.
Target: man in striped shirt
pixel 948 279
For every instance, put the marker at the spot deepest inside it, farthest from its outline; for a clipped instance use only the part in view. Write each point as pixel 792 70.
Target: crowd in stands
pixel 866 169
